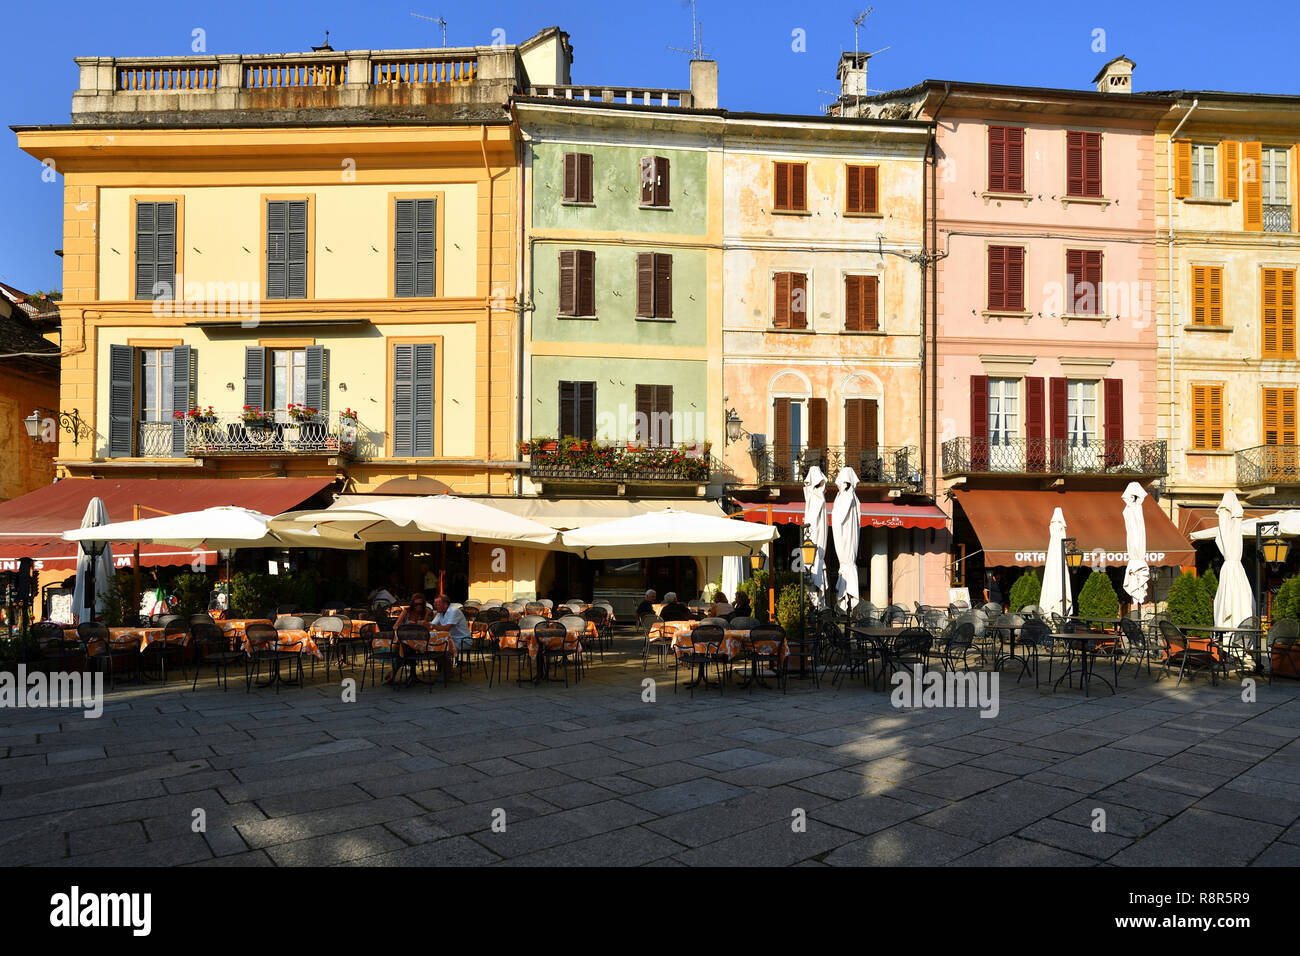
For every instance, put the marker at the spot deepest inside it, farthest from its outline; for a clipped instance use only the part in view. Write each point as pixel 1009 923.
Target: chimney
pixel 852 74
pixel 704 84
pixel 1116 76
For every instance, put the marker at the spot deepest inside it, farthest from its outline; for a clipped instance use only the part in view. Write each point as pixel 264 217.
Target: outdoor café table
pixel 437 642
pixel 572 641
pixel 288 641
pixel 1086 643
pixel 1224 648
pixel 139 636
pixel 237 626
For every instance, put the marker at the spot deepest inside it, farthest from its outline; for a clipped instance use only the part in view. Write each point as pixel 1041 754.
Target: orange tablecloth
pixel 572 640
pixel 141 636
pixel 292 640
pixel 436 643
pixel 237 625
pixel 355 629
pixel 735 641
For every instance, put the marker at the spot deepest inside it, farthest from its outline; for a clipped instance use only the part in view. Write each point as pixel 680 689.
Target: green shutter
pixel 121 400
pixel 403 400
pixel 255 377
pixel 297 246
pixel 183 357
pixel 277 249
pixel 316 393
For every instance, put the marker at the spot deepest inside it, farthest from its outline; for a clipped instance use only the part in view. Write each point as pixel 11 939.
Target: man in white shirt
pixel 449 620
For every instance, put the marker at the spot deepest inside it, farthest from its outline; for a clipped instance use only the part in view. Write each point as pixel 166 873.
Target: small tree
pixel 1027 590
pixel 192 591
pixel 1187 604
pixel 1098 598
pixel 787 611
pixel 1287 602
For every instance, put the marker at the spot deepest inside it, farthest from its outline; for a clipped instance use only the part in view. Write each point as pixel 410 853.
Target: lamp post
pixel 755 565
pixel 1071 558
pixel 734 426
pixel 1270 548
pixel 808 554
pixel 70 422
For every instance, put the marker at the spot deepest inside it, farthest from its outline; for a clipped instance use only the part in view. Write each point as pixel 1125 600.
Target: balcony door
pixel 787 439
pixel 861 444
pixel 1280 458
pixel 154 421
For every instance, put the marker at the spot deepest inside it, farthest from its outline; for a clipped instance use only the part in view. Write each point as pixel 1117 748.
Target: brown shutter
pixel 781 427
pixel 997 279
pixel 663 414
pixel 1113 430
pixel 870 303
pixel 979 422
pixel 663 285
pixel 568 409
pixel 1092 272
pixel 853 188
pixel 586 276
pixel 661 191
pixel 586 410
pixel 645 284
pixel 571 177
pixel 644 409
pixel 870 413
pixel 1092 164
pixel 781 300
pixel 1182 169
pixel 568 282
pixel 817 423
pixel 853 433
pixel 798 300
pixel 853 303
pixel 1035 425
pixel 1057 420
pixel 1074 179
pixel 1015 182
pixel 798 186
pixel 781 186
pixel 997 159
pixel 1015 279
pixel 586 178
pixel 1252 186
pixel 1230 163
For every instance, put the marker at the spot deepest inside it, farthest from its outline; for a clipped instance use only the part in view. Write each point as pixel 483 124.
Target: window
pixel 790 300
pixel 1203 181
pixel 1083 164
pixel 1278 313
pixel 414 398
pixel 288 380
pixel 862 194
pixel 155 250
pixel 156 385
pixel 787 438
pixel 275 378
pixel 654 285
pixel 1004 410
pixel 1081 414
pixel 577 177
pixel 1083 279
pixel 1006 279
pixel 861 303
pixel 1006 159
pixel 415 248
pixel 577 282
pixel 1207 295
pixel 1207 417
pixel 789 183
pixel 145 386
pixel 286 249
pixel 1279 416
pixel 654 181
pixel 654 414
pixel 1274 176
pixel 577 410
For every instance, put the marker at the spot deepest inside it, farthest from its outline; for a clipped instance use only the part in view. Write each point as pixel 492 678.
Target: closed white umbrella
pixel 94 566
pixel 1056 596
pixel 669 532
pixel 733 572
pixel 1136 573
pixel 1233 602
pixel 814 517
pixel 845 520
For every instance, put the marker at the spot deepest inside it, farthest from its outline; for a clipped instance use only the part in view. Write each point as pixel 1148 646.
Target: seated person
pixel 416 613
pixel 741 606
pixel 674 610
pixel 647 606
pixel 381 593
pixel 721 606
pixel 449 620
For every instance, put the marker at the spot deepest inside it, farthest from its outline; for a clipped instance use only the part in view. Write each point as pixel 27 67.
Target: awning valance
pixel 1012 526
pixel 566 514
pixel 874 514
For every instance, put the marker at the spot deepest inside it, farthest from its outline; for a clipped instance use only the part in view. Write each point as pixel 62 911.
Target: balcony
pixel 219 435
pixel 1277 218
pixel 1054 457
pixel 630 96
pixel 1268 465
pixel 588 462
pixel 879 465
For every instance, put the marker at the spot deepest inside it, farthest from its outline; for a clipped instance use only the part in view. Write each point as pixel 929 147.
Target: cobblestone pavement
pixel 593 774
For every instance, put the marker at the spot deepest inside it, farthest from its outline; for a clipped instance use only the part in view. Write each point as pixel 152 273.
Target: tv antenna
pixel 438 20
pixel 697 38
pixel 860 59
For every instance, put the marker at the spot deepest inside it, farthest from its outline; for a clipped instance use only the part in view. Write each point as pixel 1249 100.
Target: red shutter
pixel 1092 164
pixel 781 428
pixel 1015 152
pixel 817 424
pixel 798 300
pixel 568 282
pixel 1014 290
pixel 997 279
pixel 1074 163
pixel 645 284
pixel 997 159
pixel 870 303
pixel 870 188
pixel 853 192
pixel 798 186
pixel 1035 425
pixel 853 303
pixel 1057 425
pixel 979 422
pixel 781 300
pixel 1113 430
pixel 663 285
pixel 781 186
pixel 853 433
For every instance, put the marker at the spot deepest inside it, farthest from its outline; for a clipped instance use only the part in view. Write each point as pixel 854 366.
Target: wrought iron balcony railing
pixel 153 439
pixel 1054 456
pixel 1268 465
pixel 875 465
pixel 1277 218
pixel 592 461
pixel 231 435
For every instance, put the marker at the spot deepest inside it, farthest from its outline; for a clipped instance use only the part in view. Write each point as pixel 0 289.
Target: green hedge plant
pixel 1098 599
pixel 1026 591
pixel 1188 606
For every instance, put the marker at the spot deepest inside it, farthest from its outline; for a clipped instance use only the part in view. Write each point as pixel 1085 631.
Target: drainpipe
pixel 521 152
pixel 934 317
pixel 1173 318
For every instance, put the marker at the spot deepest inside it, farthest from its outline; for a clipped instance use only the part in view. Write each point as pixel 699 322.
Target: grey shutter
pixel 165 249
pixel 297 268
pixel 318 368
pixel 404 249
pixel 121 400
pixel 586 411
pixel 403 400
pixel 146 238
pixel 426 239
pixel 182 394
pixel 568 410
pixel 255 377
pixel 277 250
pixel 424 392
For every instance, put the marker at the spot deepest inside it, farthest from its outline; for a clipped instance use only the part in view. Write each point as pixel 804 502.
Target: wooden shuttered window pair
pixel 861 437
pixel 286 249
pixel 1279 416
pixel 415 247
pixel 1006 159
pixel 258 387
pixel 577 410
pixel 790 300
pixel 1006 279
pixel 1047 422
pixel 654 181
pixel 1083 279
pixel 1277 313
pixel 1083 164
pixel 1207 295
pixel 155 250
pixel 862 190
pixel 1231 165
pixel 123 397
pixel 1207 417
pixel 654 414
pixel 414 398
pixel 861 303
pixel 578 178
pixel 577 282
pixel 654 285
pixel 790 187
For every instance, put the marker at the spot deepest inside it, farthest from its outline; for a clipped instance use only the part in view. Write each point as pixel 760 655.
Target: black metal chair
pixel 373 657
pixel 498 630
pixel 56 648
pixel 102 654
pixel 547 655
pixel 1179 651
pixel 600 617
pixel 259 649
pixel 909 649
pixel 1036 638
pixel 652 624
pixel 956 645
pixel 413 656
pixel 332 634
pixel 1139 645
pixel 709 637
pixel 765 644
pixel 213 648
pixel 895 615
pixel 170 649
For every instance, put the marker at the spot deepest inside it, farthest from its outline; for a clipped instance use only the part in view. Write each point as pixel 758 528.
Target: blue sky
pixel 625 42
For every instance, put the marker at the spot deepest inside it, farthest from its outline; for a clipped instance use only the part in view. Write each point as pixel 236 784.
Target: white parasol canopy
pixel 1233 602
pixel 100 568
pixel 814 517
pixel 733 572
pixel 669 532
pixel 845 517
pixel 1136 573
pixel 221 528
pixel 1288 523
pixel 1056 597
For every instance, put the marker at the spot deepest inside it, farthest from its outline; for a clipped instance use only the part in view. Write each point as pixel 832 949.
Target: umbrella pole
pixel 135 566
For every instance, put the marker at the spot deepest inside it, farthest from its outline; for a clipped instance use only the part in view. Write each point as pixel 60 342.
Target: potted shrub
pixel 1026 591
pixel 299 415
pixel 545 445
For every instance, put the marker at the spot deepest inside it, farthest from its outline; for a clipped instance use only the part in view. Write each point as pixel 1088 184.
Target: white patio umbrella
pixel 1056 596
pixel 814 517
pixel 845 521
pixel 733 572
pixel 1233 602
pixel 658 534
pixel 1288 523
pixel 422 518
pixel 222 528
pixel 94 566
pixel 1136 573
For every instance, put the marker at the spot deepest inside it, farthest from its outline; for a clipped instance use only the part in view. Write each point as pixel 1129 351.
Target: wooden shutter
pixel 1015 279
pixel 1083 163
pixel 578 177
pixel 645 284
pixel 1214 401
pixel 862 193
pixel 121 400
pixel 183 357
pixel 781 186
pixel 979 422
pixel 1083 269
pixel 1058 424
pixel 1074 178
pixel 1092 164
pixel 853 303
pixel 568 282
pixel 654 414
pixel 1252 186
pixel 853 189
pixel 255 377
pixel 1035 425
pixel 568 404
pixel 165 250
pixel 1278 313
pixel 413 400
pixel 664 413
pixel 155 250
pixel 798 186
pixel 316 392
pixel 661 190
pixel 286 249
pixel 1182 169
pixel 817 414
pixel 424 399
pixel 860 438
pixel 1279 416
pixel 781 428
pixel 297 250
pixel 870 303
pixel 781 300
pixel 1113 429
pixel 853 434
pixel 571 177
pixel 997 159
pixel 663 284
pixel 415 247
pixel 586 280
pixel 798 300
pixel 647 180
pixel 1207 295
pixel 404 249
pixel 997 279
pixel 586 411
pixel 1207 417
pixel 1230 163
pixel 644 411
pixel 586 178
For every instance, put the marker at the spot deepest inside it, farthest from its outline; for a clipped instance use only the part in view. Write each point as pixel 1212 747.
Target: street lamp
pixel 755 565
pixel 1073 559
pixel 1270 548
pixel 735 427
pixel 70 422
pixel 808 554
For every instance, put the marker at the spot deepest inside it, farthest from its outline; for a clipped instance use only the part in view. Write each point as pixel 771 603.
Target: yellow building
pixel 298 265
pixel 1227 219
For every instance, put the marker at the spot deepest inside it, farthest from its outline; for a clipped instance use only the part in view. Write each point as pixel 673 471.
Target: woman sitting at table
pixel 721 606
pixel 742 605
pixel 417 612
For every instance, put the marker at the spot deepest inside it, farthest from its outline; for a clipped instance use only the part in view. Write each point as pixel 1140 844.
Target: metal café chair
pixel 213 648
pixel 650 624
pixel 709 636
pixel 547 655
pixel 171 647
pixel 765 643
pixel 518 653
pixel 332 632
pixel 1179 651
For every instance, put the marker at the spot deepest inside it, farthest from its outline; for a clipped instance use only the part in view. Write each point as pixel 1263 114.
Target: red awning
pixel 1012 526
pixel 1192 520
pixel 874 514
pixel 31 525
